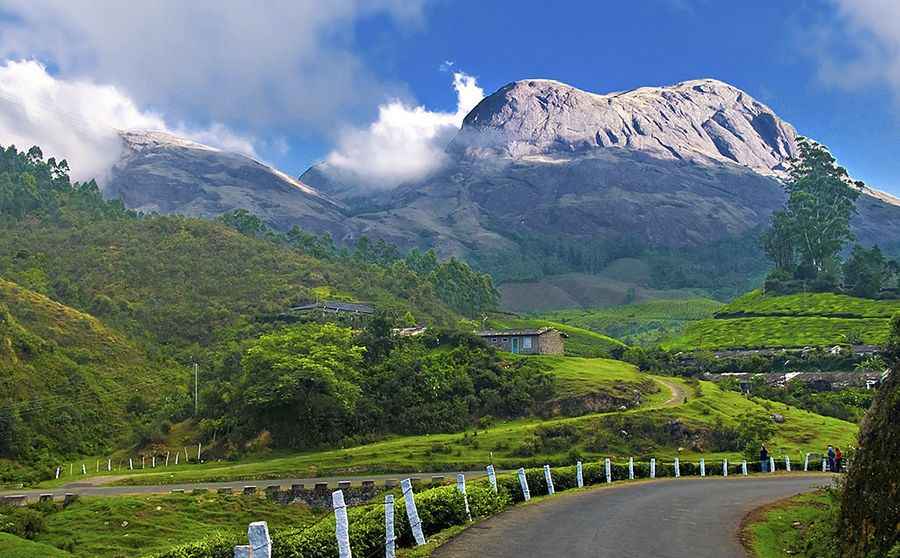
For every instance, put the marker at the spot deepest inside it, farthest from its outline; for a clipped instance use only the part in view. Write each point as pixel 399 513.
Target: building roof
pixel 513 332
pixel 337 306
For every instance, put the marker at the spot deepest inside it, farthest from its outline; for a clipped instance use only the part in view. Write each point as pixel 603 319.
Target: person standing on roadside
pixel 764 459
pixel 831 456
pixel 838 458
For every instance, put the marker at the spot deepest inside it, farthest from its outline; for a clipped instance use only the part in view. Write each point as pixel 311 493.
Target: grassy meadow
pixel 789 528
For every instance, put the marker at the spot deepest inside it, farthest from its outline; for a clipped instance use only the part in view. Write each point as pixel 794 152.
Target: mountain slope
pixel 159 172
pixel 65 378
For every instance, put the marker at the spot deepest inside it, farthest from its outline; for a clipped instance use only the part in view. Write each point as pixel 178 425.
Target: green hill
pixel 757 320
pixel 12 546
pixel 66 379
pixel 581 342
pixel 643 323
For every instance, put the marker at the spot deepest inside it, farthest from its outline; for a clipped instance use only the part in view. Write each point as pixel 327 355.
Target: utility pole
pixel 196 387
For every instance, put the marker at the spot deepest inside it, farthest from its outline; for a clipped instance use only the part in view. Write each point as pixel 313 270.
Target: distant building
pixel 543 341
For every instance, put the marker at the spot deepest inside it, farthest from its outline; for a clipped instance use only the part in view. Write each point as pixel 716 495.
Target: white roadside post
pixel 461 487
pixel 109 465
pixel 824 465
pixel 341 525
pixel 142 462
pixel 130 464
pixel 153 462
pixel 177 453
pixel 492 477
pixel 630 468
pixel 744 467
pixel 702 467
pixel 677 468
pixel 787 463
pixel 167 459
pixel 523 482
pixel 242 551
pixel 260 541
pixel 548 478
pixel 608 466
pixel 579 474
pixel 771 464
pixel 57 472
pixel 652 467
pixel 83 469
pixel 725 467
pixel 199 445
pixel 389 537
pixel 806 463
pixel 411 512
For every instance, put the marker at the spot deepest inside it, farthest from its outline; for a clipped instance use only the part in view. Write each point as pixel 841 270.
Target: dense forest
pixel 174 290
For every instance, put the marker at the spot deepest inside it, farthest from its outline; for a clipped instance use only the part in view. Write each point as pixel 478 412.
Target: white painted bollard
pixel 167 459
pixel 142 462
pixel 411 512
pixel 242 551
pixel 579 474
pixel 341 524
pixel 153 462
pixel 98 466
pixel 608 466
pixel 492 477
pixel 83 469
pixel 677 468
pixel 461 487
pixel 548 478
pixel 109 465
pixel 771 464
pixel 702 467
pixel 260 541
pixel 652 467
pixel 130 464
pixel 806 463
pixel 523 482
pixel 744 468
pixel 824 465
pixel 725 467
pixel 787 463
pixel 57 472
pixel 177 453
pixel 198 452
pixel 71 469
pixel 389 537
pixel 630 468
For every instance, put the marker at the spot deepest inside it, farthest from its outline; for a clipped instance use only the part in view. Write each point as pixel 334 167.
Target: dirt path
pixel 679 395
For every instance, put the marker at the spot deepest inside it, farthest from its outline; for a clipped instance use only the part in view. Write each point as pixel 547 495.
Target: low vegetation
pixel 801 526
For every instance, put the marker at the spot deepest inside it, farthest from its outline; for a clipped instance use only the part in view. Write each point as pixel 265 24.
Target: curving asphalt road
pixel 683 518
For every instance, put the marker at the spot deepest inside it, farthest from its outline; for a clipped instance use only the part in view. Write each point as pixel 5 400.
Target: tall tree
pixel 864 272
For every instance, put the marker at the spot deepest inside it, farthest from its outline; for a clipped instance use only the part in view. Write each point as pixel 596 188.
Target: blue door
pixel 515 345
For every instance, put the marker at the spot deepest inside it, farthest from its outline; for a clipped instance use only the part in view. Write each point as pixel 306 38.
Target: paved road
pixel 684 518
pixel 87 488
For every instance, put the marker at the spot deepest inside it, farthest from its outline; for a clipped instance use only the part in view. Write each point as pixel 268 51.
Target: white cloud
pixel 277 66
pixel 77 120
pixel 405 142
pixel 863 46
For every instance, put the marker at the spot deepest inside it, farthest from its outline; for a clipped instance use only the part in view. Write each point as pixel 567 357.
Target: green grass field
pixel 581 376
pixel 581 342
pixel 15 547
pixel 756 321
pixel 756 303
pixel 781 531
pixel 552 441
pixel 767 332
pixel 126 526
pixel 645 323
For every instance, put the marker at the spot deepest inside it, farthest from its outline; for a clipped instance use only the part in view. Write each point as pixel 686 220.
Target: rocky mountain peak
pixel 697 120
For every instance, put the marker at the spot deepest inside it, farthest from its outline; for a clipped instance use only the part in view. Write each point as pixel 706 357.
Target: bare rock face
pixel 160 172
pixel 695 121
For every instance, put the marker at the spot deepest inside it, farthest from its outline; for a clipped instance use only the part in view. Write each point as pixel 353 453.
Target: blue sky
pixel 290 85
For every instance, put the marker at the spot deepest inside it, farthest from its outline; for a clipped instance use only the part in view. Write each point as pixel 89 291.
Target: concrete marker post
pixel 523 482
pixel 260 541
pixel 198 451
pixel 725 467
pixel 109 465
pixel 608 467
pixel 771 464
pixel 548 478
pixel 57 472
pixel 461 487
pixel 242 551
pixel 167 459
pixel 702 467
pixel 744 467
pixel 83 469
pixel 177 453
pixel 630 468
pixel 389 537
pixel 492 477
pixel 677 468
pixel 787 463
pixel 579 474
pixel 341 525
pixel 806 463
pixel 142 462
pixel 412 513
pixel 824 465
pixel 153 461
pixel 130 464
pixel 652 467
